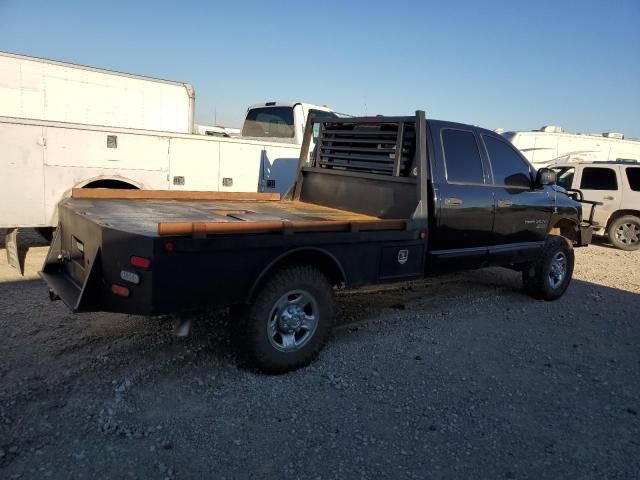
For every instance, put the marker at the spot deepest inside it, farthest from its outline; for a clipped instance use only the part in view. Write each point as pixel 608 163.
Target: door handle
pixel 453 201
pixel 609 198
pixel 505 203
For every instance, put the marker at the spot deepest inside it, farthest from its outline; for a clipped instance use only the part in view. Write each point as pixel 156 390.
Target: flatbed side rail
pixel 280 226
pixel 121 194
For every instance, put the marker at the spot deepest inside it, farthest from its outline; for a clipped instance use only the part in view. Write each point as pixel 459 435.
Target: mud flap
pixel 586 233
pixel 79 298
pixel 15 255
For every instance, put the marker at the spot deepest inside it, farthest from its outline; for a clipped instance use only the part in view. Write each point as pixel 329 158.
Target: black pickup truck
pixel 378 200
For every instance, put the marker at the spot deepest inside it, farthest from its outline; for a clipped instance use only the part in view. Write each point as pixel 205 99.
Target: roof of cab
pixel 292 104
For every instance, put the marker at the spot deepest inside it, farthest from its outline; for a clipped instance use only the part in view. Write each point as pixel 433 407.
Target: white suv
pixel 617 186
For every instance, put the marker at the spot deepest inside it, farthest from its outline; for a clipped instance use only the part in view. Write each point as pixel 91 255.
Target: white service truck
pixel 140 138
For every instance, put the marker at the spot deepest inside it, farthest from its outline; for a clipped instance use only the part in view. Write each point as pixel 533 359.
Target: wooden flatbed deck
pixel 154 213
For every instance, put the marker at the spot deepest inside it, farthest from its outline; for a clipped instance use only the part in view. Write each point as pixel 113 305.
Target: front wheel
pixel 290 319
pixel 624 232
pixel 548 277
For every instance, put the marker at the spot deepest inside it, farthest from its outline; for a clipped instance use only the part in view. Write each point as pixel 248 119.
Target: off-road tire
pixel 618 223
pixel 536 278
pixel 259 348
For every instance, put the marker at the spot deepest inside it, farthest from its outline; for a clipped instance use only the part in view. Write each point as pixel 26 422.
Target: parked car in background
pixel 617 186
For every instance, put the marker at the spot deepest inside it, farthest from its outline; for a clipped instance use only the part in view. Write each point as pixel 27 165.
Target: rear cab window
pixel 269 122
pixel 598 178
pixel 633 175
pixel 509 168
pixel 462 160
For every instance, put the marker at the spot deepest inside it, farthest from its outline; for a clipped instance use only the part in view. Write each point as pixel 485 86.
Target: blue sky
pixel 516 65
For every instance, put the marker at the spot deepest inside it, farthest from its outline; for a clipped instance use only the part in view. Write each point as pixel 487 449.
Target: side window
pixel 462 157
pixel 508 167
pixel 633 175
pixel 565 176
pixel 598 178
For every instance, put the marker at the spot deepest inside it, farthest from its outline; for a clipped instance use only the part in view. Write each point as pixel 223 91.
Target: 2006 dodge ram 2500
pixel 380 199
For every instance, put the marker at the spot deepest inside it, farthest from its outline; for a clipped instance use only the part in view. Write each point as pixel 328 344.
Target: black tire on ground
pixel 289 319
pixel 46 233
pixel 548 277
pixel 624 232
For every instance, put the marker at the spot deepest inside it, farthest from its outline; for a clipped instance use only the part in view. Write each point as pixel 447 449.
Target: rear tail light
pixel 119 290
pixel 140 262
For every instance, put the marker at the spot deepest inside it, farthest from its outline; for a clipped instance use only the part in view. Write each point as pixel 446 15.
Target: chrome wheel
pixel 628 233
pixel 558 269
pixel 293 321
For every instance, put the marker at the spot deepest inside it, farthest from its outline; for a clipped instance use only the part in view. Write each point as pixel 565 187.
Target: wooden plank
pixel 189 228
pixel 226 228
pixel 116 193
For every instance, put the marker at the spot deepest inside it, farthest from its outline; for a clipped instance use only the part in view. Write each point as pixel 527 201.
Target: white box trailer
pixel 42 89
pixel 549 146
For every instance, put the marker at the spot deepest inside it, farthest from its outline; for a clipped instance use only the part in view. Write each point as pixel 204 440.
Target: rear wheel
pixel 624 232
pixel 549 276
pixel 290 319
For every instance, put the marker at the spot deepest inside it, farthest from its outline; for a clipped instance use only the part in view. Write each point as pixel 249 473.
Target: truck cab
pixel 276 131
pixel 487 207
pixel 282 121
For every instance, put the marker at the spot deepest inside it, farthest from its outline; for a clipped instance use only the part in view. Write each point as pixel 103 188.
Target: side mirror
pixel 545 176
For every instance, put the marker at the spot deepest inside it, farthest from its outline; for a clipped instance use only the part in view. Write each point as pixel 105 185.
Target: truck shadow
pixel 603 242
pixel 37 329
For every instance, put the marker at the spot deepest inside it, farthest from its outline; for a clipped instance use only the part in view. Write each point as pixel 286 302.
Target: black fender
pixel 306 255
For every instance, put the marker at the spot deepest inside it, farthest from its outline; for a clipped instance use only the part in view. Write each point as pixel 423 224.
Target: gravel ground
pixel 458 377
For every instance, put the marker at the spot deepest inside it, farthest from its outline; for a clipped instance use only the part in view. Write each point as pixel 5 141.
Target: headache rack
pixel 377 145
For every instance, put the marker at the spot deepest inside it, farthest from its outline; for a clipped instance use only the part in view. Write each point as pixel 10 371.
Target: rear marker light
pixel 140 262
pixel 130 277
pixel 120 290
pixel 168 246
